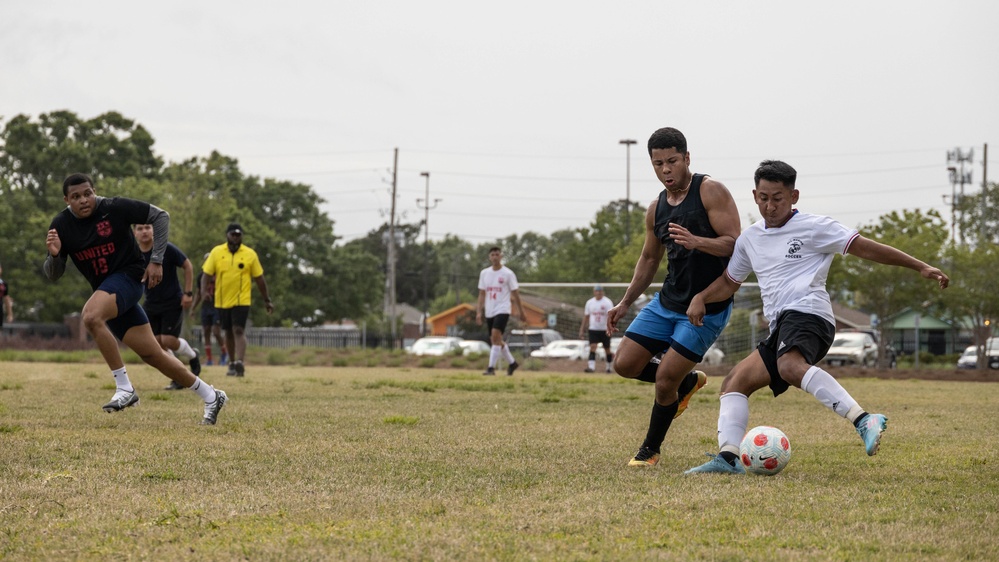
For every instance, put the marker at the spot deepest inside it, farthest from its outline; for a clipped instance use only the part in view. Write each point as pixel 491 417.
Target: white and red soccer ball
pixel 764 450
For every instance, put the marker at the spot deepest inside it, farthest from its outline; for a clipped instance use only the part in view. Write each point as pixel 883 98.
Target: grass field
pixel 311 463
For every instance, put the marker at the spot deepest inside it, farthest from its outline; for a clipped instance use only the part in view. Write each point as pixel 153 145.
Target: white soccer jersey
pixel 791 263
pixel 597 311
pixel 497 283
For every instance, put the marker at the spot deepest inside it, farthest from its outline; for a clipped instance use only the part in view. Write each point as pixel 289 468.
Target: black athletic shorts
pixel 498 322
pixel 209 315
pixel 166 322
pixel 812 336
pixel 235 316
pixel 599 336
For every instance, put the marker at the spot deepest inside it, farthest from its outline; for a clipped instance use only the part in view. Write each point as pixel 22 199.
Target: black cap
pixel 234 227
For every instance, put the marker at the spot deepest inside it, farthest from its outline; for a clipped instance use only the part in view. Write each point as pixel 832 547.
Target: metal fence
pixel 299 337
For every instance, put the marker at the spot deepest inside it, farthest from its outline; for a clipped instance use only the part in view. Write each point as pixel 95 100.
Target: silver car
pixel 852 348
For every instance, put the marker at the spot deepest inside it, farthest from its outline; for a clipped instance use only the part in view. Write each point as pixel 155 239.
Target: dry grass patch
pixel 423 464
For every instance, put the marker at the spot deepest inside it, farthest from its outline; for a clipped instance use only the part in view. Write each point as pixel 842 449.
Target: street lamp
pixel 426 205
pixel 627 186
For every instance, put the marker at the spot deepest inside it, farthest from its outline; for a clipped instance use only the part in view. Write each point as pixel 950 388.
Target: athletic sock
pixel 649 372
pixel 121 380
pixel 823 386
pixel 659 422
pixel 507 355
pixel 733 418
pixel 494 353
pixel 591 364
pixel 204 390
pixel 208 353
pixel 185 351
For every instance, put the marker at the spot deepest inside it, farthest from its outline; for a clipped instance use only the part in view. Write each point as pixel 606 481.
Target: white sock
pixel 204 390
pixel 733 419
pixel 494 353
pixel 509 356
pixel 823 386
pixel 592 364
pixel 185 351
pixel 121 380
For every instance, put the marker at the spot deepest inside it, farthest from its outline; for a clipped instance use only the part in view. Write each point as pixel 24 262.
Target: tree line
pixel 316 278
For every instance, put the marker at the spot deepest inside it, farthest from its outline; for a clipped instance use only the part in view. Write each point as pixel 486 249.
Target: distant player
pixel 165 303
pixel 96 233
pixel 498 288
pixel 790 252
pixel 595 317
pixel 211 323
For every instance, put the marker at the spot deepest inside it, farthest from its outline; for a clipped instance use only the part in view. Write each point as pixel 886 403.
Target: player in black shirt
pixel 96 233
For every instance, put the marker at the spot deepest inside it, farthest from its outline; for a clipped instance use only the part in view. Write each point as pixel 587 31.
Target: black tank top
pixel 690 271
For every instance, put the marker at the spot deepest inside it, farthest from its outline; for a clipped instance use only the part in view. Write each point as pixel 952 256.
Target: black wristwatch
pixel 188 293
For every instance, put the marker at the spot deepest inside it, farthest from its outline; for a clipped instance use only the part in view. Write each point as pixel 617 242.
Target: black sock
pixel 662 417
pixel 593 355
pixel 649 373
pixel 860 419
pixel 687 384
pixel 730 458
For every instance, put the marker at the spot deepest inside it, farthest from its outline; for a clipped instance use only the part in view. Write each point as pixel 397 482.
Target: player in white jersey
pixel 498 290
pixel 595 316
pixel 791 252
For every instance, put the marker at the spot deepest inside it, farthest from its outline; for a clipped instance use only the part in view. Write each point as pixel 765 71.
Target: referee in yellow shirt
pixel 232 265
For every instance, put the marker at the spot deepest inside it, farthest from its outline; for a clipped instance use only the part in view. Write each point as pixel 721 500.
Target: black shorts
pixel 166 322
pixel 209 315
pixel 235 316
pixel 498 322
pixel 599 336
pixel 811 335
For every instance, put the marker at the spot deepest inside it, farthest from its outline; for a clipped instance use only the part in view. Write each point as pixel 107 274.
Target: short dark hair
pixel 668 137
pixel 495 249
pixel 75 179
pixel 777 171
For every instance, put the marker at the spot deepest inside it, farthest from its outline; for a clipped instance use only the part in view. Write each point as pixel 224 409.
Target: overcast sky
pixel 516 108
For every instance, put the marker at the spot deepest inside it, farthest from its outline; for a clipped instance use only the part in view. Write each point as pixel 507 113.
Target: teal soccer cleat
pixel 870 431
pixel 717 465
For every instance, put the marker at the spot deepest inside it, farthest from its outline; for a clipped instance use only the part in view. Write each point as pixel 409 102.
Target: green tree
pixel 978 218
pixel 972 297
pixel 886 290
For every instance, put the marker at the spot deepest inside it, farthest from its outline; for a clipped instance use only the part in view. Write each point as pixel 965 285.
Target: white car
pixel 852 348
pixel 567 349
pixel 474 346
pixel 968 359
pixel 435 345
pixel 713 356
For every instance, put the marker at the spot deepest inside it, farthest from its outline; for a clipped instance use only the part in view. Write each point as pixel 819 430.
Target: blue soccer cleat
pixel 870 431
pixel 717 465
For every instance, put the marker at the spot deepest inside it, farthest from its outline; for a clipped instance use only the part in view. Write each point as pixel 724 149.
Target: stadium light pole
pixel 426 205
pixel 627 188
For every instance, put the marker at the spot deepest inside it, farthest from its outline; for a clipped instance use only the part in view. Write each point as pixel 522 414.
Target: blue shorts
pixel 127 292
pixel 657 328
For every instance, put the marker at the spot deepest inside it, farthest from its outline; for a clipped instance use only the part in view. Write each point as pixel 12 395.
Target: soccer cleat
pixel 240 369
pixel 213 408
pixel 870 431
pixel 587 370
pixel 645 457
pixel 489 371
pixel 511 368
pixel 224 359
pixel 122 399
pixel 694 381
pixel 196 364
pixel 231 371
pixel 608 369
pixel 209 363
pixel 174 385
pixel 717 465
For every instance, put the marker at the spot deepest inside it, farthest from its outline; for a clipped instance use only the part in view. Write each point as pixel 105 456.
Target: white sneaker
pixel 122 399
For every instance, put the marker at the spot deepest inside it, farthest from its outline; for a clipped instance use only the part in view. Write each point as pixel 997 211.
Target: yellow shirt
pixel 233 274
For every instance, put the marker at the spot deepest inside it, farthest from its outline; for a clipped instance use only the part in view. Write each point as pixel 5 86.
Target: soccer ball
pixel 765 450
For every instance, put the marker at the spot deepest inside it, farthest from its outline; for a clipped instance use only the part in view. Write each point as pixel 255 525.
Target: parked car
pixel 435 345
pixel 713 356
pixel 536 339
pixel 968 359
pixel 474 346
pixel 852 348
pixel 567 349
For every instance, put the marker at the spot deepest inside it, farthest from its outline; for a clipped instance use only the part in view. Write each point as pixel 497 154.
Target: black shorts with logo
pixel 166 322
pixel 498 322
pixel 810 334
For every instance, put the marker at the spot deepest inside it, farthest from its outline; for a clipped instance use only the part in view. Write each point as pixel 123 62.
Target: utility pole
pixel 391 251
pixel 627 186
pixel 955 165
pixel 426 205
